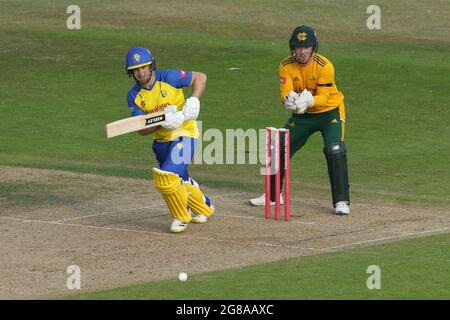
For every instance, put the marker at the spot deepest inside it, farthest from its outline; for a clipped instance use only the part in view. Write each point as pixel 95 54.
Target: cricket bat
pixel 134 124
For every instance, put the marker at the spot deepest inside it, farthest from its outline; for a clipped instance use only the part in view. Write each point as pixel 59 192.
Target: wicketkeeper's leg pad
pixel 174 193
pixel 198 202
pixel 336 155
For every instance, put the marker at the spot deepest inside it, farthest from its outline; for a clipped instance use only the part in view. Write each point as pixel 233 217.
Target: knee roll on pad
pixel 336 155
pixel 198 202
pixel 174 193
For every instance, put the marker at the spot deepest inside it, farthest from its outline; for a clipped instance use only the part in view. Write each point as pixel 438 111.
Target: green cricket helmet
pixel 303 36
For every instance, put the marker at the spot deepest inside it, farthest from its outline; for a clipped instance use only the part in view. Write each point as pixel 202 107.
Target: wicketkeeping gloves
pixel 303 102
pixel 289 101
pixel 174 118
pixel 191 109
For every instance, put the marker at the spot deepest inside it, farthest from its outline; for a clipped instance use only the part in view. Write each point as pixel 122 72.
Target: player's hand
pixel 191 109
pixel 304 101
pixel 174 118
pixel 289 101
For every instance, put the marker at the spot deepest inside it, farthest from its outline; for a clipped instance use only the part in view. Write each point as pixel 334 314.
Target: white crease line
pixel 87 226
pixel 107 212
pixel 283 246
pixel 227 195
pixel 362 242
pixel 386 238
pixel 399 232
pixel 161 206
pixel 259 218
pixel 359 252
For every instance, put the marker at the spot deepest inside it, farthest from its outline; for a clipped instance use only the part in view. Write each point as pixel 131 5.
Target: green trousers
pixel 302 126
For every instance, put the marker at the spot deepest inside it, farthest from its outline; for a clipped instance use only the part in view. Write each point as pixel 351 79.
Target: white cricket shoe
pixel 261 200
pixel 201 218
pixel 342 208
pixel 178 226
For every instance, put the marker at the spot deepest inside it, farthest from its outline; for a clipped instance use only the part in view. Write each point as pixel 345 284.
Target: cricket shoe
pixel 178 226
pixel 201 218
pixel 342 208
pixel 261 200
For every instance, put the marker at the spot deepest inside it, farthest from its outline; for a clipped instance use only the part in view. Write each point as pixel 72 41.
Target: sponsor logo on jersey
pixel 183 74
pixel 334 121
pixel 161 107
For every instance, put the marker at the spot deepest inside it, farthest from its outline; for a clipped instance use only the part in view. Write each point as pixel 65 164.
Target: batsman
pixel 174 141
pixel 308 90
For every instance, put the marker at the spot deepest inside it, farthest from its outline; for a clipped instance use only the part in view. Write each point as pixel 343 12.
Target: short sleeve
pixel 177 78
pixel 134 109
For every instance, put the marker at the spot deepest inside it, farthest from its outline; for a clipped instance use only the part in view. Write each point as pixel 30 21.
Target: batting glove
pixel 289 101
pixel 191 109
pixel 174 118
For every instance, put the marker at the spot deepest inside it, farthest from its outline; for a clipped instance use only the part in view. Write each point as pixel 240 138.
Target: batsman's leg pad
pixel 336 155
pixel 198 202
pixel 174 193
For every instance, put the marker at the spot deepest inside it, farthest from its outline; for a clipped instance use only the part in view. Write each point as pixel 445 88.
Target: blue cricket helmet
pixel 139 57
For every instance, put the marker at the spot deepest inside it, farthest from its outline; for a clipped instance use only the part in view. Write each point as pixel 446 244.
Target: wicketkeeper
pixel 308 90
pixel 174 141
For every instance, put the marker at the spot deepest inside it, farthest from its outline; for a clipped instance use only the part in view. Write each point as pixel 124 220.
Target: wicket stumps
pixel 273 168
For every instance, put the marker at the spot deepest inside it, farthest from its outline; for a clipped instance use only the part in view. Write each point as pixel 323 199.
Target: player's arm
pixel 325 84
pixel 198 84
pixel 286 84
pixel 287 93
pixel 191 108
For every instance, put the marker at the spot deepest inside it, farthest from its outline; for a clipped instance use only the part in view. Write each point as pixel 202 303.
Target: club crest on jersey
pixel 302 36
pixel 137 57
pixel 163 93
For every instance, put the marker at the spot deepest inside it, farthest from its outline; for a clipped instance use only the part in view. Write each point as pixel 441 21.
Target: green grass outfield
pixel 410 269
pixel 59 87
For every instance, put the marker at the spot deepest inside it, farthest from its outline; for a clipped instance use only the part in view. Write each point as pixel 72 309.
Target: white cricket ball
pixel 182 276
